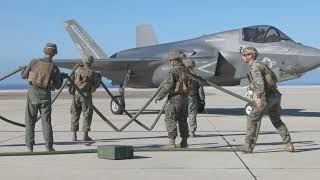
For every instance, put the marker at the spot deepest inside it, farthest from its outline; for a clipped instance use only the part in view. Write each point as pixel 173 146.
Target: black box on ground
pixel 115 152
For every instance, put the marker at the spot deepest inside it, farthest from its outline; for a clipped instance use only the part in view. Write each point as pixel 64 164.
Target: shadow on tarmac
pixel 300 146
pixel 241 112
pixel 238 112
pixel 147 111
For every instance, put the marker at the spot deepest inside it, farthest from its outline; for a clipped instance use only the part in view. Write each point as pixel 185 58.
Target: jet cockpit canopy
pixel 263 34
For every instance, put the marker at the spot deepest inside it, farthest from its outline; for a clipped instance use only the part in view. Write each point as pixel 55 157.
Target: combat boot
pixel 193 134
pixel 86 136
pixel 246 148
pixel 50 149
pixel 30 149
pixel 74 136
pixel 289 147
pixel 184 143
pixel 172 144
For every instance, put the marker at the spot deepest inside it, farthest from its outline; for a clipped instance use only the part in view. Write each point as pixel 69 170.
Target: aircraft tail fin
pixel 145 36
pixel 83 41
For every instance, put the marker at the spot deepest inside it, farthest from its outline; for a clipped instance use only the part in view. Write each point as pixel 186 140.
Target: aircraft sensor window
pixel 263 34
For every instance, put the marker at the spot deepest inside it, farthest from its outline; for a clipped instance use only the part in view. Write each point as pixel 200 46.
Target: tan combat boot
pixel 289 147
pixel 50 149
pixel 86 136
pixel 184 143
pixel 74 136
pixel 172 144
pixel 30 148
pixel 246 148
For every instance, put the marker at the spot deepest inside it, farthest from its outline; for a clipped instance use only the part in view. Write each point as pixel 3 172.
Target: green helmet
pixel 88 59
pixel 176 55
pixel 189 63
pixel 50 48
pixel 249 50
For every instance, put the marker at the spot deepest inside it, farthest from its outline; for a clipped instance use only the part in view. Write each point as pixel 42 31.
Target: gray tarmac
pixel 223 125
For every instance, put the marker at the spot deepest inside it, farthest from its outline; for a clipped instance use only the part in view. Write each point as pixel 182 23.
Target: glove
pixel 71 88
pixel 99 76
pixel 64 75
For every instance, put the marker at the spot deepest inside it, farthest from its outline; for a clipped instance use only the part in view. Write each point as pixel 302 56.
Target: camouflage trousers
pixel 78 105
pixel 176 112
pixel 31 116
pixel 271 106
pixel 192 112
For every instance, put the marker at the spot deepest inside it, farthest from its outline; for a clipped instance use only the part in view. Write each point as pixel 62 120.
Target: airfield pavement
pixel 222 125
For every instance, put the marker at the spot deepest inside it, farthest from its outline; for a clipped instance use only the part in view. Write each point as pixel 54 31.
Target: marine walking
pixel 268 100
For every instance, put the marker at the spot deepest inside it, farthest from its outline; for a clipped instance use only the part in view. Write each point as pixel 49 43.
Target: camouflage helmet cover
pixel 50 48
pixel 176 55
pixel 88 59
pixel 189 63
pixel 249 50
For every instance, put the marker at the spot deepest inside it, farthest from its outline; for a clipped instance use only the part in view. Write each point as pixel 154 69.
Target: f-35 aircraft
pixel 216 55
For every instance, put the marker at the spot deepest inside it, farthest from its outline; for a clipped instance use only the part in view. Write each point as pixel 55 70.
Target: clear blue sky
pixel 25 26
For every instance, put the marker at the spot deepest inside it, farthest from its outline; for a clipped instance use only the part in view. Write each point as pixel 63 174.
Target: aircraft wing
pixel 110 64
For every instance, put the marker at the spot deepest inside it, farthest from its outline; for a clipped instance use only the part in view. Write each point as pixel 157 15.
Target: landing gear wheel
pixel 115 109
pixel 248 109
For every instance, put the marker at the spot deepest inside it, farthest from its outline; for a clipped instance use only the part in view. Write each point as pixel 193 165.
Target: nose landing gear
pixel 115 109
pixel 248 108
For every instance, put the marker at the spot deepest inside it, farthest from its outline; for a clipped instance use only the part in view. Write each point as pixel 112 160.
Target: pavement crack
pixel 245 165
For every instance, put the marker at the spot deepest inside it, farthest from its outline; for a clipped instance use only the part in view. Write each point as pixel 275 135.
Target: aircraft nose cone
pixel 309 59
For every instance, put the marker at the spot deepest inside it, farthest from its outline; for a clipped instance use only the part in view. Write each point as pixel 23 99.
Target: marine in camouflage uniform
pixel 43 76
pixel 195 95
pixel 175 86
pixel 88 81
pixel 268 101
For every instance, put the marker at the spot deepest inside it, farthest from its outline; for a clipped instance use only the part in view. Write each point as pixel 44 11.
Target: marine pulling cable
pixel 59 92
pixel 62 87
pixel 93 106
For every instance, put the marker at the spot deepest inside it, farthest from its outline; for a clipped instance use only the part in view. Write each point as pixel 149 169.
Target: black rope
pixel 12 122
pixel 12 73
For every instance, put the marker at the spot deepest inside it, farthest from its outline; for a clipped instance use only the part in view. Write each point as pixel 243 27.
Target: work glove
pixel 64 75
pixel 156 100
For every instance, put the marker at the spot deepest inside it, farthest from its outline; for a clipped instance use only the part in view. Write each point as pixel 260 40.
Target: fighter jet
pixel 216 55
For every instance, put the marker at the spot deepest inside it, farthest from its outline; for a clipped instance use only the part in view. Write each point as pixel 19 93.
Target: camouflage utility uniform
pixel 195 95
pixel 39 98
pixel 271 99
pixel 263 82
pixel 88 81
pixel 177 108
